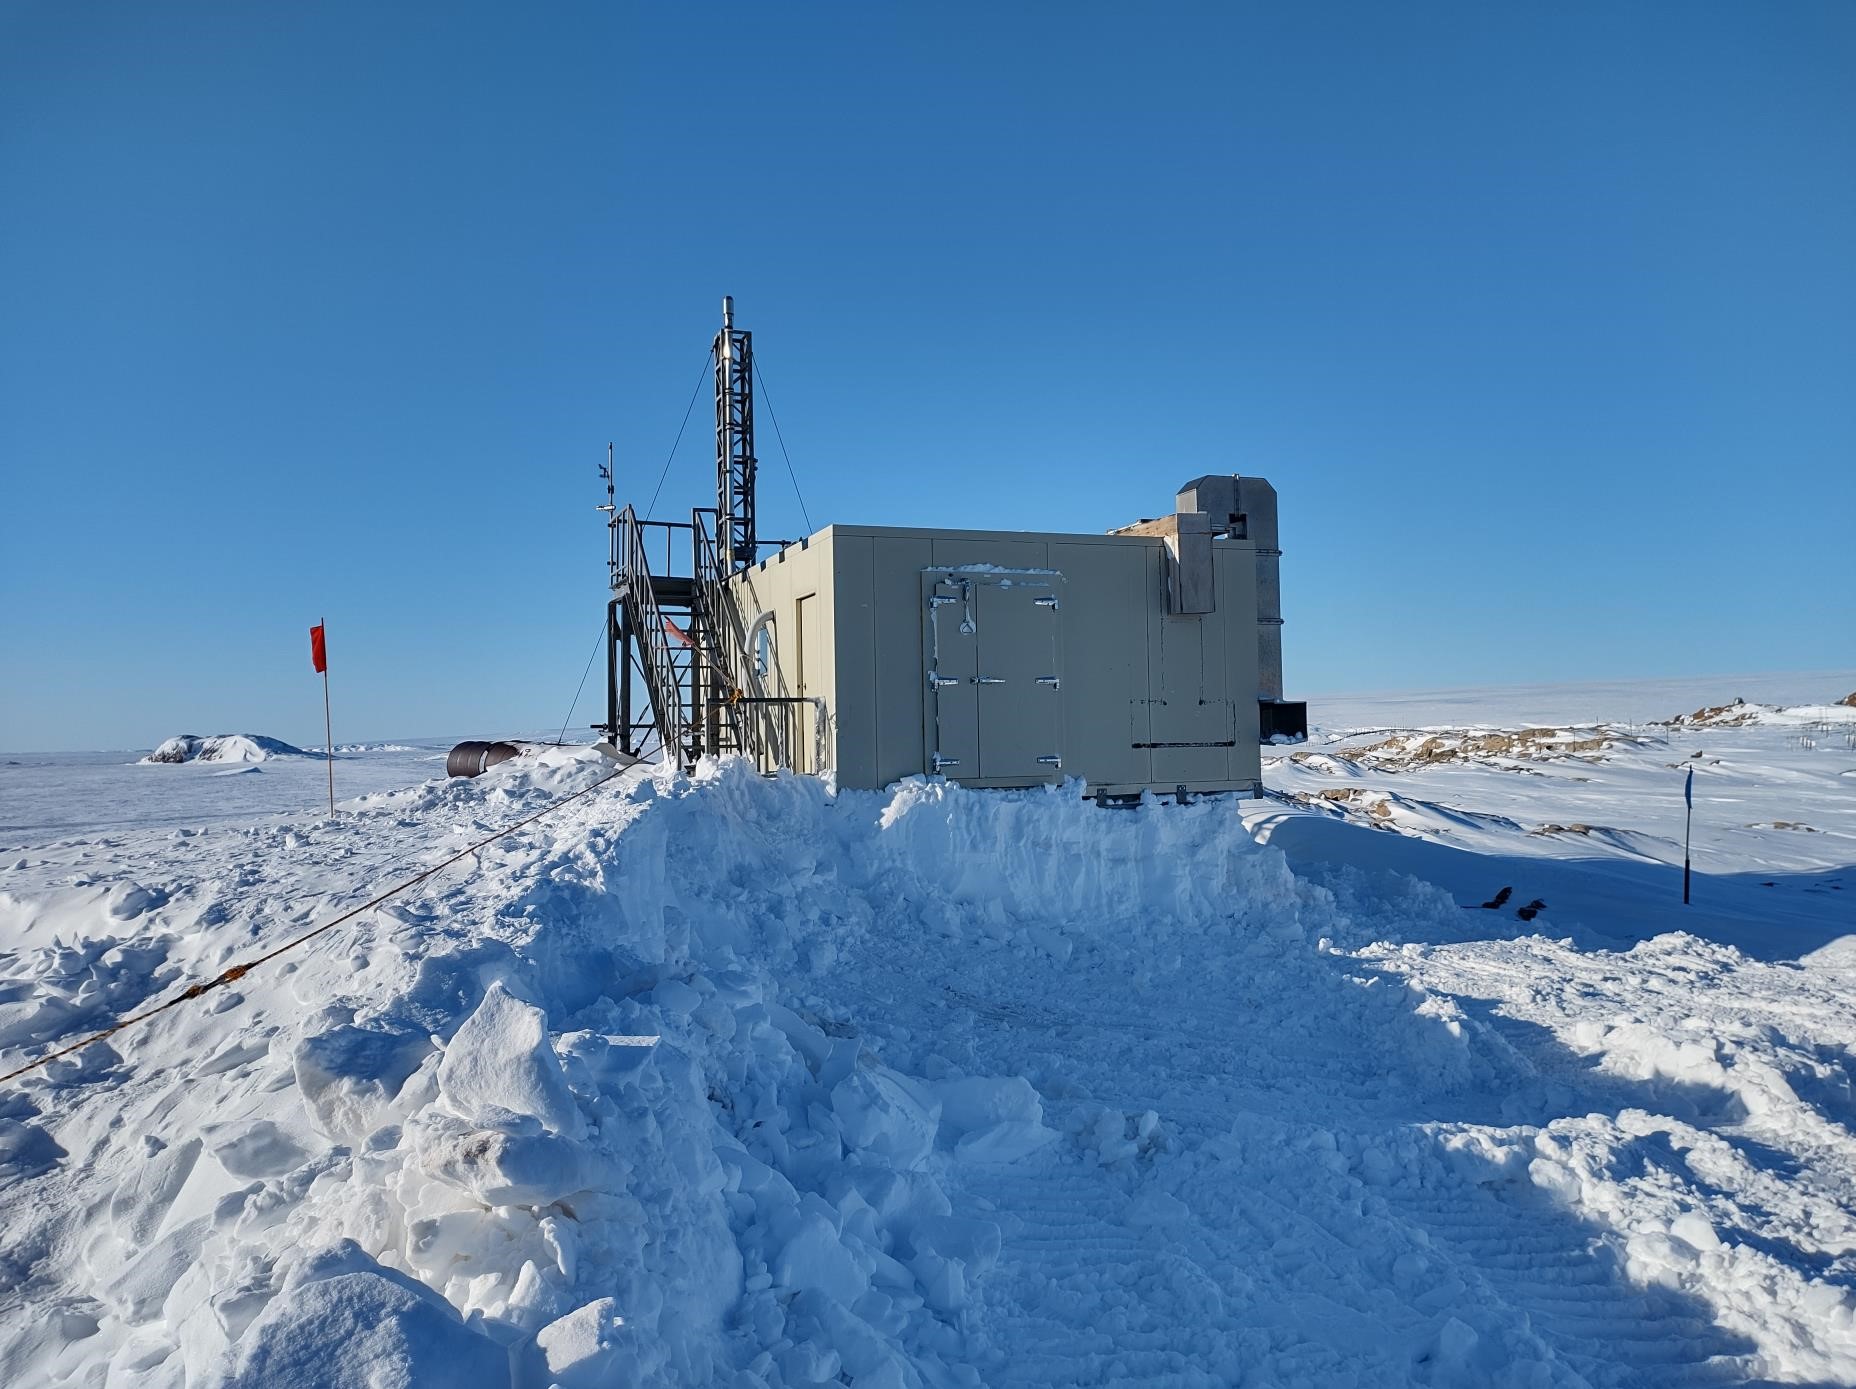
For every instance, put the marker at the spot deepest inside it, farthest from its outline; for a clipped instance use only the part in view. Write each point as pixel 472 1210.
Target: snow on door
pixel 994 654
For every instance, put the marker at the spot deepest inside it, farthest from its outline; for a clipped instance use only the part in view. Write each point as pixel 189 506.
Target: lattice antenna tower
pixel 734 443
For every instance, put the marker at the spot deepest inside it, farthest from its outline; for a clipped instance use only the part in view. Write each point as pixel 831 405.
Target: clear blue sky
pixel 1541 317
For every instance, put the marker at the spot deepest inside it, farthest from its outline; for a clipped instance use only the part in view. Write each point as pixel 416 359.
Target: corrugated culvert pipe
pixel 474 759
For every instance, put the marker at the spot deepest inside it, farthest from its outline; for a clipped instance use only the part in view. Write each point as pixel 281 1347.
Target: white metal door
pixel 1019 679
pixel 993 656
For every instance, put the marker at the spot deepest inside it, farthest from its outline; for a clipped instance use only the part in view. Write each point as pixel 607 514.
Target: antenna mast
pixel 734 443
pixel 611 508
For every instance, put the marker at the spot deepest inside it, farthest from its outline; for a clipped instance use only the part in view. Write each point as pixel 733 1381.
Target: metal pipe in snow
pixel 1688 829
pixel 475 758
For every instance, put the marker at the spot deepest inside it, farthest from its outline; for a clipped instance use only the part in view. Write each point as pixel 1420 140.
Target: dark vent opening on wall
pixel 1287 718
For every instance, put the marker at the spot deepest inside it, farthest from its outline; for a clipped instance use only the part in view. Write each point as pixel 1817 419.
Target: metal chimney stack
pixel 1244 508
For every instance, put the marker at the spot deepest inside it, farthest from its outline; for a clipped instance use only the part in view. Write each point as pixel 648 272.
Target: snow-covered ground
pixel 44 794
pixel 732 1080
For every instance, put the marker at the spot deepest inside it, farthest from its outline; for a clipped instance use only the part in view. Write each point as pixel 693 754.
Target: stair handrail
pixel 724 640
pixel 661 678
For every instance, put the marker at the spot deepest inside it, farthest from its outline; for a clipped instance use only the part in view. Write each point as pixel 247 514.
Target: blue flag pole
pixel 1688 797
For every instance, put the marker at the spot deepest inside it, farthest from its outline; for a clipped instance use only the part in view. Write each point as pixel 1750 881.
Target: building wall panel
pixel 776 585
pixel 897 607
pixel 1106 594
pixel 1019 553
pixel 856 701
pixel 1236 569
pixel 1120 650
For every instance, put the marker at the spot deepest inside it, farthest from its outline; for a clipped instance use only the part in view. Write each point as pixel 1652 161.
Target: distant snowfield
pixel 45 794
pixel 732 1080
pixel 1612 701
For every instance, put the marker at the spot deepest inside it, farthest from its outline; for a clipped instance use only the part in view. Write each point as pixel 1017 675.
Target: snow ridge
pixel 223 747
pixel 731 1079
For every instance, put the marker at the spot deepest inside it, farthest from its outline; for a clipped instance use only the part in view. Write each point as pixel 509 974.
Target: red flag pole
pixel 328 736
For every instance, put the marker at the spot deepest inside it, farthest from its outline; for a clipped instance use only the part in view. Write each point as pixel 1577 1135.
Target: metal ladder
pixel 694 682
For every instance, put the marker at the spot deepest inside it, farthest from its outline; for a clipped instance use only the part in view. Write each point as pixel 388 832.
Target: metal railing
pixel 781 733
pixel 707 696
pixel 663 674
pixel 770 727
pixel 726 673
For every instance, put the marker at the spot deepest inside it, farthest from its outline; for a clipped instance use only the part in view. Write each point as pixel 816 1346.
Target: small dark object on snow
pixel 476 758
pixel 1531 910
pixel 1499 900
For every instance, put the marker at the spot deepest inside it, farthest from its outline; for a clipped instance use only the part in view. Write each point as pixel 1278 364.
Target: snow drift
pixel 734 1080
pixel 223 747
pixel 1740 714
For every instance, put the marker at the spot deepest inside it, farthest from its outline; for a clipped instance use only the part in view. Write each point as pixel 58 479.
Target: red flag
pixel 677 634
pixel 318 650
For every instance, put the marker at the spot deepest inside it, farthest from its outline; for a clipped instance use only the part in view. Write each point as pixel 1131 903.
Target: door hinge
pixel 940 761
pixel 941 600
pixel 1053 681
pixel 1046 602
pixel 941 682
pixel 1051 761
pixel 988 680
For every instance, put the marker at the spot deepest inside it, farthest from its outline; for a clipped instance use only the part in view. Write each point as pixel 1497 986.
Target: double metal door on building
pixel 993 653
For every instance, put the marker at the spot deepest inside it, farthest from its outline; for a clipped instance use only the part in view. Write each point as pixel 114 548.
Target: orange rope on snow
pixel 233 973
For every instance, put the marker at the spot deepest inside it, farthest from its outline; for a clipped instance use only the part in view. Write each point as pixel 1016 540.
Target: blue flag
pixel 1688 790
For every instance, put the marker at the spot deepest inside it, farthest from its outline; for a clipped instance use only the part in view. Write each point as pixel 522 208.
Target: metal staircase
pixel 665 624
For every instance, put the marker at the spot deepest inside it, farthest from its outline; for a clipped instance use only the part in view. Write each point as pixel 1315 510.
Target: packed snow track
pixel 735 1081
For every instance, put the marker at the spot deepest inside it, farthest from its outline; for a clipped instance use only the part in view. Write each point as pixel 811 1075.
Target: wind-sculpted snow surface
pixel 735 1081
pixel 222 747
